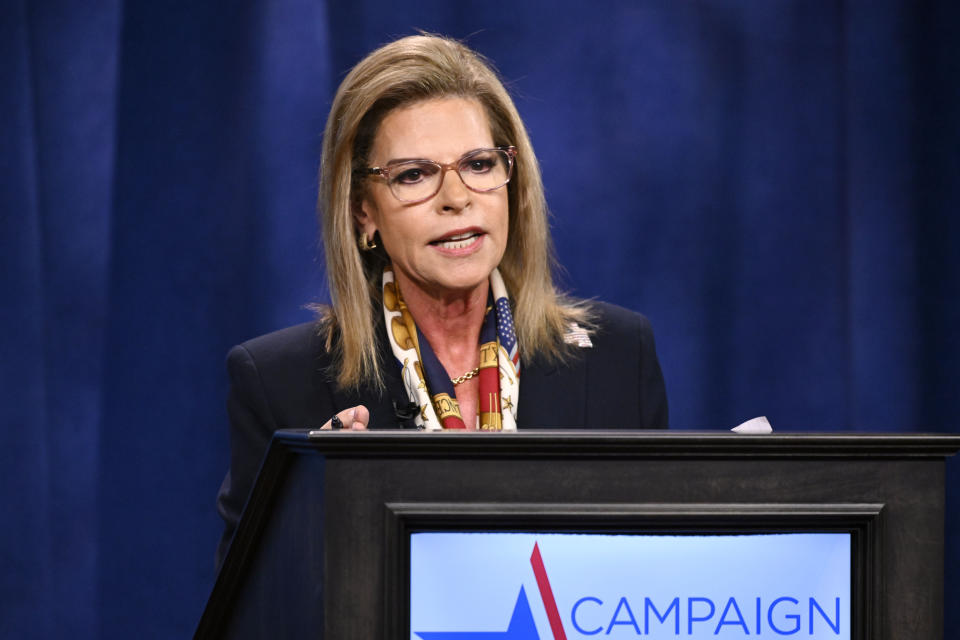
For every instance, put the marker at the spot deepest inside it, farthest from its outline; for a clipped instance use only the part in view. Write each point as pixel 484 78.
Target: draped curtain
pixel 773 183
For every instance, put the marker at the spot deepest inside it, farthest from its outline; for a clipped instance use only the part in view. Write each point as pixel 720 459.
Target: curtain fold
pixel 58 114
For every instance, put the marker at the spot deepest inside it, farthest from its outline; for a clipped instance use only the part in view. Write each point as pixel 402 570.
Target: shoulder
pixel 291 339
pixel 615 329
pixel 282 379
pixel 288 356
pixel 611 319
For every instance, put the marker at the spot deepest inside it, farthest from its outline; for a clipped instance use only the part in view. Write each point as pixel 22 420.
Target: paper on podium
pixel 756 425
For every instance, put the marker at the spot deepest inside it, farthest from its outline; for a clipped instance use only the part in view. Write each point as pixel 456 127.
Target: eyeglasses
pixel 415 181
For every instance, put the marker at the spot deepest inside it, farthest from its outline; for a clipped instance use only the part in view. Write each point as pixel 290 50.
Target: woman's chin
pixel 446 278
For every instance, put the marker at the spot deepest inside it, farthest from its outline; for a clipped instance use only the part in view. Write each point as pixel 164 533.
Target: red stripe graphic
pixel 553 614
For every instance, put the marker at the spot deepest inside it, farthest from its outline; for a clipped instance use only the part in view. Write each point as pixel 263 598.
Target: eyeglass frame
pixel 384 172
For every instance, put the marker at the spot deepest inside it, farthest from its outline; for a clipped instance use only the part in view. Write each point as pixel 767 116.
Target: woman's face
pixel 450 243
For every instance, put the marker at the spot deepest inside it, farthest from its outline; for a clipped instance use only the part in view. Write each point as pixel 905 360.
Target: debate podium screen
pixel 580 585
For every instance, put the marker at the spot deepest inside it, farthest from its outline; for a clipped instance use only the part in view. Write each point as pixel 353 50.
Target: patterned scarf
pixel 427 382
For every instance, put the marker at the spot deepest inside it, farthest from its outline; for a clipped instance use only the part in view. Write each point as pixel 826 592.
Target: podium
pixel 323 546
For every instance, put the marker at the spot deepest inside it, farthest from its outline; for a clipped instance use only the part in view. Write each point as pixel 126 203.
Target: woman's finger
pixel 361 418
pixel 352 419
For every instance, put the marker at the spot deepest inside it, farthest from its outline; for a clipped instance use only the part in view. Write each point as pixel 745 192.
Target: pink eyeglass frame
pixel 384 172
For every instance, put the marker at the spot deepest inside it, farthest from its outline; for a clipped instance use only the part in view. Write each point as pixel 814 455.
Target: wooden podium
pixel 322 548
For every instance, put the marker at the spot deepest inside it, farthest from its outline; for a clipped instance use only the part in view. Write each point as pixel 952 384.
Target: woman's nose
pixel 453 194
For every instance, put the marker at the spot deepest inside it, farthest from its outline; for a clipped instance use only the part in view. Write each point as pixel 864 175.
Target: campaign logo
pixel 479 586
pixel 521 625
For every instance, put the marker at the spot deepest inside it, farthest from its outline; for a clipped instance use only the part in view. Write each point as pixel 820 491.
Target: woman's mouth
pixel 458 240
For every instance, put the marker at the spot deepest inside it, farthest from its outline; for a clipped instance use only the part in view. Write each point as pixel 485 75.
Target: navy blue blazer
pixel 283 380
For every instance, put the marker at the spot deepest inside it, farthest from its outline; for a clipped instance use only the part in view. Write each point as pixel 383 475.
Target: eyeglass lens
pixel 481 170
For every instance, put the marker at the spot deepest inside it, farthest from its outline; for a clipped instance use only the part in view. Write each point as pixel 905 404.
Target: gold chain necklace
pixel 465 377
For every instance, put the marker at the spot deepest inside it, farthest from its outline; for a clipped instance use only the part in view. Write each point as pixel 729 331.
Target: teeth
pixel 458 241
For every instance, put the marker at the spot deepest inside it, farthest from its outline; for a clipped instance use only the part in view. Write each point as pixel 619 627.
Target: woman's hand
pixel 353 419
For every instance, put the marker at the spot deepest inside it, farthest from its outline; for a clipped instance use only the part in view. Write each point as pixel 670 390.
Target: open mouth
pixel 457 241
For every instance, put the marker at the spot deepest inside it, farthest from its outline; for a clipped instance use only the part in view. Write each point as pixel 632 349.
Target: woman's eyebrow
pixel 402 160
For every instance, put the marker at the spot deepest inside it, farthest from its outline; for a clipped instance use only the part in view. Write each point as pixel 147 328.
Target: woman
pixel 439 262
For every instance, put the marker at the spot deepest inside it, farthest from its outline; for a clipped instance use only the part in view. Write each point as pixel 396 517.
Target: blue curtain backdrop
pixel 773 182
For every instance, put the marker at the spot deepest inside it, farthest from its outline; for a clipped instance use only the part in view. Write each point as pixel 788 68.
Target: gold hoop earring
pixel 366 245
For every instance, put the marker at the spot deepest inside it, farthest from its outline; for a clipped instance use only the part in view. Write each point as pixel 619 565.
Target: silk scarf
pixel 426 381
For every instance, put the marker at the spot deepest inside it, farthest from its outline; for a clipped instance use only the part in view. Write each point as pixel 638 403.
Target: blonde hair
pixel 407 71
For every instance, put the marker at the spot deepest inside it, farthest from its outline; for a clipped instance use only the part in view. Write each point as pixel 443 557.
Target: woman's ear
pixel 364 216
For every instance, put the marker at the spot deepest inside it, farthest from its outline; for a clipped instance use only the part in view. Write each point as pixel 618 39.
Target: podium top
pixel 620 444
